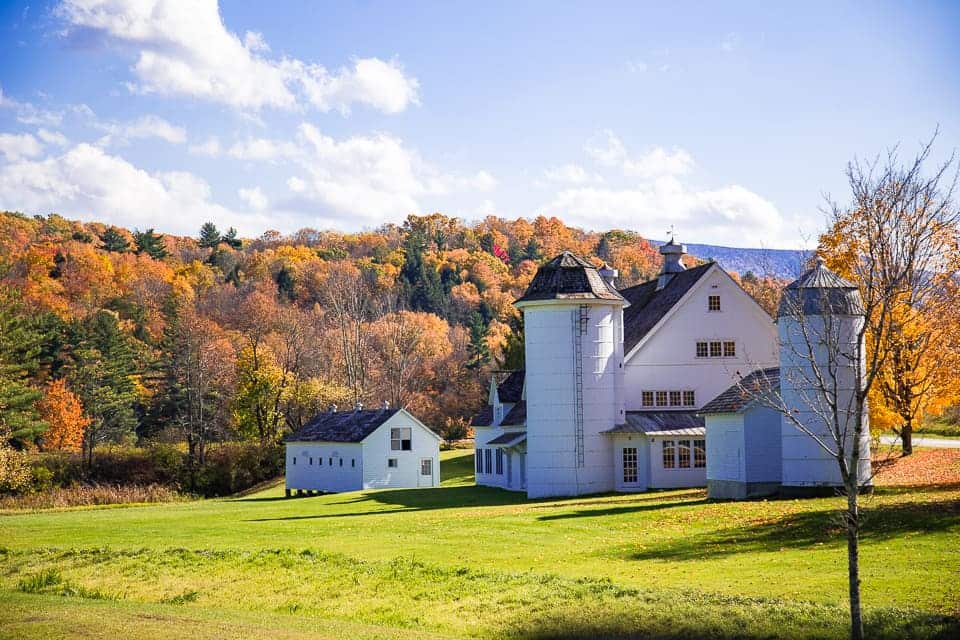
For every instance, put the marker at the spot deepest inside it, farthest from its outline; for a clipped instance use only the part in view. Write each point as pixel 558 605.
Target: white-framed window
pixel 479 461
pixel 661 398
pixel 646 398
pixel 689 398
pixel 391 463
pixel 668 455
pixel 702 350
pixel 311 462
pixel 713 303
pixel 319 462
pixel 683 454
pixel 426 467
pixel 487 461
pixel 353 462
pixel 675 398
pixel 341 462
pixel 400 439
pixel 716 349
pixel 330 461
pixel 699 454
pixel 729 349
pixel 499 462
pixel 294 459
pixel 629 465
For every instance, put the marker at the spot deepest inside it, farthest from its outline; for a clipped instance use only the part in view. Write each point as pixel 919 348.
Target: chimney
pixel 358 406
pixel 386 404
pixel 672 262
pixel 609 274
pixel 333 408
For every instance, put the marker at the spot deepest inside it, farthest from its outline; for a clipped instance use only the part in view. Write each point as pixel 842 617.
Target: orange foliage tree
pixel 61 409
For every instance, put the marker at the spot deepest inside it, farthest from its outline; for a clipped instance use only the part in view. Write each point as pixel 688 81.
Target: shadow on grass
pixel 805 529
pixel 619 511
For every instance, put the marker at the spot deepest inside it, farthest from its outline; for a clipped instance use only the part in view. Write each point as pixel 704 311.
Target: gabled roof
pixel 342 426
pixel 741 395
pixel 568 277
pixel 661 423
pixel 648 306
pixel 517 417
pixel 511 389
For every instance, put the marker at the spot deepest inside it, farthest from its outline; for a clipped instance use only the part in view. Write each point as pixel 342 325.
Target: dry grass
pixel 924 467
pixel 90 495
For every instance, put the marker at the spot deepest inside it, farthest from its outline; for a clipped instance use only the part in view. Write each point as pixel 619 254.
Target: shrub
pixel 90 495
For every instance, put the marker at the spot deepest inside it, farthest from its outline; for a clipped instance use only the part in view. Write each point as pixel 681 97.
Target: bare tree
pixel 835 335
pixel 350 302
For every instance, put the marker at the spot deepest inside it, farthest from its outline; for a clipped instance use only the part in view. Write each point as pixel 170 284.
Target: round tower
pixel 573 339
pixel 819 321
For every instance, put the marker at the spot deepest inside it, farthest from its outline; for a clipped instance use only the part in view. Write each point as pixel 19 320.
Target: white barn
pixel 614 379
pixel 362 449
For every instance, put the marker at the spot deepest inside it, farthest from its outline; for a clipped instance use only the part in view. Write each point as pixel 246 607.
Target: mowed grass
pixel 465 561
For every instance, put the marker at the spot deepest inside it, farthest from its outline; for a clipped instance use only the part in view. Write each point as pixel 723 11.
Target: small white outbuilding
pixel 362 449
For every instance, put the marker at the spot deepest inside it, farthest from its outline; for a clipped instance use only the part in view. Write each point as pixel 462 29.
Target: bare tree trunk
pixel 853 559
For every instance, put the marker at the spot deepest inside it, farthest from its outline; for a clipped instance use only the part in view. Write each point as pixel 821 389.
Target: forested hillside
pixel 109 335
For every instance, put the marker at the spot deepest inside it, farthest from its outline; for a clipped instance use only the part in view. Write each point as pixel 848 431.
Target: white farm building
pixel 362 449
pixel 617 388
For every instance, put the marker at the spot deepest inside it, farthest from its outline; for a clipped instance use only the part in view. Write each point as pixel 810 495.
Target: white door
pixel 425 479
pixel 631 467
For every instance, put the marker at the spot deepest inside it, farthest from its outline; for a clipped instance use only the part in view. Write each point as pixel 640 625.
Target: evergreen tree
pixel 231 240
pixel 209 236
pixel 532 251
pixel 513 351
pixel 19 358
pixel 286 283
pixel 423 285
pixel 150 243
pixel 478 349
pixel 114 241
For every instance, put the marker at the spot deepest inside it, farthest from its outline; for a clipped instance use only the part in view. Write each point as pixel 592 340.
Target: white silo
pixel 573 330
pixel 819 321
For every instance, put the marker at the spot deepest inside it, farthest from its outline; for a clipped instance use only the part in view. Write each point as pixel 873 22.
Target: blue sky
pixel 729 121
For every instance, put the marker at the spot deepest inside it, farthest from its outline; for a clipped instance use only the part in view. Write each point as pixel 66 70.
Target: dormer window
pixel 713 303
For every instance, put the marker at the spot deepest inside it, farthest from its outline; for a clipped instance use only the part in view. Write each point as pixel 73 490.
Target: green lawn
pixel 463 561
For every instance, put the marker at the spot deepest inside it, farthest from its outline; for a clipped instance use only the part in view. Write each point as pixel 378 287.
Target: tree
pixel 63 412
pixel 19 359
pixel 350 301
pixel 231 240
pixel 114 241
pixel 408 345
pixel 209 236
pixel 479 350
pixel 150 243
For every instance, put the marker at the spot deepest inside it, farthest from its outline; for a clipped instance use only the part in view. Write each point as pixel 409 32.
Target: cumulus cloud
pixel 88 183
pixel 27 113
pixel 254 198
pixel 183 48
pixel 568 174
pixel 263 149
pixel 608 150
pixel 148 126
pixel 210 148
pixel 14 146
pixel 52 137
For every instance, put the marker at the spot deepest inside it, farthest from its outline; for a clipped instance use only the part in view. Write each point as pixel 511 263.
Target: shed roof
pixel 568 277
pixel 657 423
pixel 342 426
pixel 741 395
pixel 509 439
pixel 648 306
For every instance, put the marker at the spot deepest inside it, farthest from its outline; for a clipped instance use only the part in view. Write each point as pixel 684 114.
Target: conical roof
pixel 568 277
pixel 820 291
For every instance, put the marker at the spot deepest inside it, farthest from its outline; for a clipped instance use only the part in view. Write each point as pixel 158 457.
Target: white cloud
pixel 609 151
pixel 185 49
pixel 27 113
pixel 210 148
pixel 87 183
pixel 254 198
pixel 263 149
pixel 52 137
pixel 148 126
pixel 568 174
pixel 297 185
pixel 14 146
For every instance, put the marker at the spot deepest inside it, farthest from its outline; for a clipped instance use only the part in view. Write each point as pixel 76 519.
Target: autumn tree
pixel 61 409
pixel 351 302
pixel 407 346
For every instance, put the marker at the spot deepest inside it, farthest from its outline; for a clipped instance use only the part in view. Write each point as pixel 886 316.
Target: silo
pixel 573 337
pixel 819 320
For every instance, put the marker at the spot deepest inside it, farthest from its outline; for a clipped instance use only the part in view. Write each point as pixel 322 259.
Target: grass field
pixel 463 561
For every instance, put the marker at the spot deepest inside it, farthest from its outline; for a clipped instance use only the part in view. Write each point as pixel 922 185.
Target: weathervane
pixel 670 232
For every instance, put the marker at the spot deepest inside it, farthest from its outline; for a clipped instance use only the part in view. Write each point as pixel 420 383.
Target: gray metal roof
pixel 568 277
pixel 517 416
pixel 741 395
pixel 820 291
pixel 511 389
pixel 510 438
pixel 484 418
pixel 341 426
pixel 661 423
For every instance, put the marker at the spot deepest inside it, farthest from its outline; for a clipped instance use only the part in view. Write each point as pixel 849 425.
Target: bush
pixel 90 495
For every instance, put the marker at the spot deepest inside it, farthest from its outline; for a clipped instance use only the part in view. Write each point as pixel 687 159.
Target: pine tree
pixel 114 241
pixel 478 349
pixel 513 350
pixel 19 358
pixel 231 240
pixel 150 243
pixel 209 236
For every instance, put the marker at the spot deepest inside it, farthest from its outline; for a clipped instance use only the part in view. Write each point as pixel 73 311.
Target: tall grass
pixel 90 495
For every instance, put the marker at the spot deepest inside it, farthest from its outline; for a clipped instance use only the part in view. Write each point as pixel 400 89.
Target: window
pixel 661 398
pixel 311 462
pixel 487 461
pixel 668 461
pixel 713 303
pixel 319 462
pixel 729 349
pixel 689 398
pixel 629 465
pixel 647 398
pixel 499 462
pixel 294 459
pixel 330 461
pixel 699 454
pixel 479 456
pixel 715 349
pixel 341 462
pixel 674 398
pixel 353 462
pixel 683 453
pixel 426 467
pixel 701 349
pixel 392 463
pixel 400 439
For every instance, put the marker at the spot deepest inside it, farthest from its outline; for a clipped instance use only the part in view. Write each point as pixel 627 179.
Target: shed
pixel 743 439
pixel 658 450
pixel 362 449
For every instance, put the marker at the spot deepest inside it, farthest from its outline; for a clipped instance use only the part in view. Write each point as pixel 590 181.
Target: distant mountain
pixel 782 263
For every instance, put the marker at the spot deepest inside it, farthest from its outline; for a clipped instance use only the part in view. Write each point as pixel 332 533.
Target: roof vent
pixel 672 262
pixel 358 406
pixel 333 408
pixel 609 274
pixel 386 404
